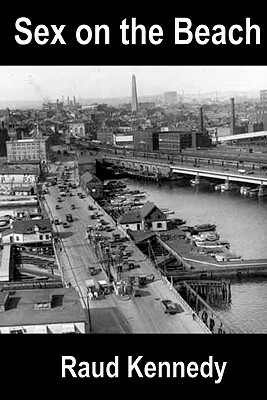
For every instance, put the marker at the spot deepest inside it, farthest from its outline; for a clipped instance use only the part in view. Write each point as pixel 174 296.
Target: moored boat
pixel 204 227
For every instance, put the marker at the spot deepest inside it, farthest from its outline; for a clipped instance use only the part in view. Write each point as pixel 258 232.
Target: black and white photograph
pixel 133 199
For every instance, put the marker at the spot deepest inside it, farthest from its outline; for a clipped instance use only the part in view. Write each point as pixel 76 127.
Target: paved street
pixel 114 314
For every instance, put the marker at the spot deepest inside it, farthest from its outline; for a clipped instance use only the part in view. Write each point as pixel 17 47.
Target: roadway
pixel 114 314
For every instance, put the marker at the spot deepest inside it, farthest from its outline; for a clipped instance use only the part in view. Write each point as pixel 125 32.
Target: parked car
pixel 171 307
pixel 57 207
pixel 66 225
pixel 69 218
pixel 94 270
pixel 73 206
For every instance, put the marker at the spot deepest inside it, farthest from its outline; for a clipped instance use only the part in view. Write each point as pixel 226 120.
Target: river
pixel 241 221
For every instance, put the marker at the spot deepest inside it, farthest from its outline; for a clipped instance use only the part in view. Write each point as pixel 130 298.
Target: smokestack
pixel 74 102
pixel 216 135
pixel 194 140
pixel 232 120
pixel 68 100
pixel 201 123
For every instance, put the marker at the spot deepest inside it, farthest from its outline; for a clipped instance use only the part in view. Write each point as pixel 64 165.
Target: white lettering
pixel 89 34
pixel 220 372
pixel 124 27
pixel 186 30
pixel 84 372
pixel 41 30
pixel 210 369
pixel 68 367
pixel 23 30
pixel 219 37
pixel 150 370
pixel 151 34
pixel 231 34
pixel 198 34
pixel 134 367
pixel 58 36
pixel 134 29
pixel 248 31
pixel 192 369
pixel 97 35
pixel 115 365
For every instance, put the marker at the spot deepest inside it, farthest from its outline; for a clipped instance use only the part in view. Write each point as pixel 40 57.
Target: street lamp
pixel 88 311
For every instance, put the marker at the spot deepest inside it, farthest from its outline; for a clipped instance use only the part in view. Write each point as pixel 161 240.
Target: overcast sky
pixel 50 82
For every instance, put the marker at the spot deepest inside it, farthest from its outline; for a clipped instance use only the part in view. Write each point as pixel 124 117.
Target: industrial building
pixel 146 141
pixel 105 137
pixel 172 142
pixel 26 150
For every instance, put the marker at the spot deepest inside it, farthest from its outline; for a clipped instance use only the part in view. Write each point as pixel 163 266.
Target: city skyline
pixel 40 83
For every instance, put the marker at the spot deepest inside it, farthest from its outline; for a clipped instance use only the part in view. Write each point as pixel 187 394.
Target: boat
pixel 244 190
pixel 3 223
pixel 179 221
pixel 194 182
pixel 225 188
pixel 218 187
pixel 204 227
pixel 254 192
pixel 212 237
pixel 167 212
pixel 198 238
pixel 227 257
pixel 199 182
pixel 185 228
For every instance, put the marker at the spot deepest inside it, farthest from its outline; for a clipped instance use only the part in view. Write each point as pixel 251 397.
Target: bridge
pixel 167 170
pixel 227 176
pixel 242 136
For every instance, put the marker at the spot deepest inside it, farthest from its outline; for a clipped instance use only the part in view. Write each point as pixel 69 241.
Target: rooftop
pixel 88 177
pixel 27 226
pixel 66 307
pixel 147 208
pixel 22 189
pixel 136 216
pixel 19 169
pixel 131 217
pixel 4 263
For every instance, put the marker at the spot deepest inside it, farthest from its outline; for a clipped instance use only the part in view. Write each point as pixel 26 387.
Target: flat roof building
pixel 26 150
pixel 41 311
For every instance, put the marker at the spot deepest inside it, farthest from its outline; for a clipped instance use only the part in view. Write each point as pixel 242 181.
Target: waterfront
pixel 240 221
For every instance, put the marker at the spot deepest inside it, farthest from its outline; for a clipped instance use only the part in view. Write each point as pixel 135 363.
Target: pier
pixel 203 309
pixel 178 260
